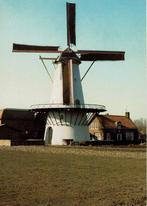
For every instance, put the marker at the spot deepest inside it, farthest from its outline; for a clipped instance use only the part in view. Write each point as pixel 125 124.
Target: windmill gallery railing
pixel 71 106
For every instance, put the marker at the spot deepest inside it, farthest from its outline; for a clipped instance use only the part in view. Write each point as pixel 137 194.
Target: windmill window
pixel 77 101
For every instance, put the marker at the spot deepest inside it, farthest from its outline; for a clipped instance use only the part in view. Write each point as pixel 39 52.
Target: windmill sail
pixel 34 48
pixel 71 32
pixel 101 55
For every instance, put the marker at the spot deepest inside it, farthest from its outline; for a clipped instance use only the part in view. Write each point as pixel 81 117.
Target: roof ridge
pixel 115 115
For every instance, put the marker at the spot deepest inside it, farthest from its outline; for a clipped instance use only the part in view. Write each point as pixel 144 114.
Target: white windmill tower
pixel 67 114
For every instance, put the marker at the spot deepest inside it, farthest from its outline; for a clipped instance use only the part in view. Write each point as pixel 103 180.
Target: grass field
pixel 72 176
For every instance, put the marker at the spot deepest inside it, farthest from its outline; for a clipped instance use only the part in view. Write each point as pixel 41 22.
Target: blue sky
pixel 100 25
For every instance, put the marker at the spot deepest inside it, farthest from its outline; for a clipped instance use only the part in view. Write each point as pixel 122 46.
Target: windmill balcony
pixel 85 107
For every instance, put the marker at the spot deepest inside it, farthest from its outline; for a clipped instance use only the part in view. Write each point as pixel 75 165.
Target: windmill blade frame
pixel 35 48
pixel 71 23
pixel 92 55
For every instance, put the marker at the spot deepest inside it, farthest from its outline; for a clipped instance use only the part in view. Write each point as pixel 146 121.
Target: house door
pixel 49 134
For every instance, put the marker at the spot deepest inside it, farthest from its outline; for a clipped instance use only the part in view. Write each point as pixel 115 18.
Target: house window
pixel 129 136
pixel 119 137
pixel 108 136
pixel 118 125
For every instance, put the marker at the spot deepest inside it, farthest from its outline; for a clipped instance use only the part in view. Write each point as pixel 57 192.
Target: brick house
pixel 113 128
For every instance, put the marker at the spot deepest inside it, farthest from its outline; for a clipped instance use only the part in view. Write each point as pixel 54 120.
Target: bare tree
pixel 141 125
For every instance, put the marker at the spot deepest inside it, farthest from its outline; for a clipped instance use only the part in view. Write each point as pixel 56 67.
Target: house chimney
pixel 127 114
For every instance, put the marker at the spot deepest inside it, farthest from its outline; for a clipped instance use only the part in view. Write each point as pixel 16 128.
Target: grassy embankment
pixel 72 176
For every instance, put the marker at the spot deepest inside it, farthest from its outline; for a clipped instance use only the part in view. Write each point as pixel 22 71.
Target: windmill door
pixel 49 134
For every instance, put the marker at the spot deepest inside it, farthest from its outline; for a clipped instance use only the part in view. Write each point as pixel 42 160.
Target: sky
pixel 115 25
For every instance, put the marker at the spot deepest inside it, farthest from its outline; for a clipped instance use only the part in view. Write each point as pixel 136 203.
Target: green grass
pixel 72 176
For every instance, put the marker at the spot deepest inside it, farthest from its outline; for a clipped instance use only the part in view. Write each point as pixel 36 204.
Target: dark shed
pixel 20 125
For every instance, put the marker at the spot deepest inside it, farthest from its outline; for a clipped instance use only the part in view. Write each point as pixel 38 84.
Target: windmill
pixel 67 115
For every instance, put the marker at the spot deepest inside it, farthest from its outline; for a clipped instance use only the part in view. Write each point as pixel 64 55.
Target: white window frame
pixel 119 137
pixel 129 136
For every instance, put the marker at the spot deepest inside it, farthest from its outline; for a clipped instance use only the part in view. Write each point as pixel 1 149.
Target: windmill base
pixel 66 128
pixel 65 135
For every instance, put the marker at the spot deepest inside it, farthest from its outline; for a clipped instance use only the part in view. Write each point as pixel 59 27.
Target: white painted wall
pixel 57 86
pixel 77 87
pixel 67 129
pixel 75 133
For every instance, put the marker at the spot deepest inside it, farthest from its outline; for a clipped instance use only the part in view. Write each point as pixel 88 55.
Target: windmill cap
pixel 68 54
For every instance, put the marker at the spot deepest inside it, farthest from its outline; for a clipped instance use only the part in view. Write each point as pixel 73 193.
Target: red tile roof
pixel 109 121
